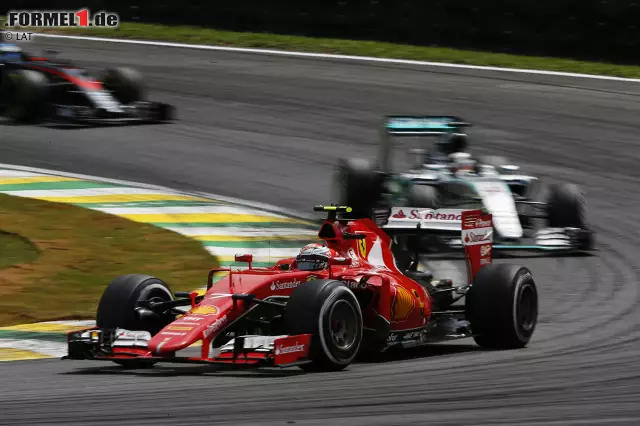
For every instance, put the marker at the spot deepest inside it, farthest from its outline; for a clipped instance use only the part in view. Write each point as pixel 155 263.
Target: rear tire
pixel 330 312
pixel 502 306
pixel 126 84
pixel 116 308
pixel 358 187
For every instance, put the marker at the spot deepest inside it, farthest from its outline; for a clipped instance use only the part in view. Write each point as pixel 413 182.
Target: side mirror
pixel 245 258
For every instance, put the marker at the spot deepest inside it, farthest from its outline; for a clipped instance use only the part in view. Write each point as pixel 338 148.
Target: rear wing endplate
pixel 417 125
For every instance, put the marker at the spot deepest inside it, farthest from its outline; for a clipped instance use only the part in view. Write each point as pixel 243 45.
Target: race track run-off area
pixel 270 129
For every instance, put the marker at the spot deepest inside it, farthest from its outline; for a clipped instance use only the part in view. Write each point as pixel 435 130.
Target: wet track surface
pixel 270 129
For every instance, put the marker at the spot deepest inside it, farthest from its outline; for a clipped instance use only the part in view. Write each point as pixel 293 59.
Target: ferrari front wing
pixel 242 351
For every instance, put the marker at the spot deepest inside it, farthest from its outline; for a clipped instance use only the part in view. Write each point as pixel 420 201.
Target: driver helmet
pixel 314 257
pixel 10 51
pixel 462 162
pixel 452 143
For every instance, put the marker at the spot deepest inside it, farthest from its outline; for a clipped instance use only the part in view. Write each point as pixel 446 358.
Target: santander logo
pixel 280 350
pixel 427 214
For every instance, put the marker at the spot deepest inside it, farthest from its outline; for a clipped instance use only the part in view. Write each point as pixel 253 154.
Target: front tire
pixel 116 308
pixel 330 312
pixel 126 84
pixel 502 306
pixel 24 96
pixel 566 207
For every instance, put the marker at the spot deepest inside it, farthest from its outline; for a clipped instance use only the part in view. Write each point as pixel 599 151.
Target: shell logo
pixel 402 305
pixel 205 310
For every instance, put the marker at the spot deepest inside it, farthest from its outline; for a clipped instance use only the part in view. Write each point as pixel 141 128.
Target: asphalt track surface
pixel 270 129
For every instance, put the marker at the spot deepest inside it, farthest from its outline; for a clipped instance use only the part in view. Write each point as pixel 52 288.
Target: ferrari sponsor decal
pixel 402 305
pixel 204 310
pixel 477 236
pixel 290 349
pixel 354 285
pixel 215 327
pixel 173 333
pixel 311 278
pixel 132 335
pixel 407 336
pixel 362 245
pixel 186 323
pixel 420 302
pixel 355 260
pixel 191 318
pixel 472 222
pixel 281 349
pixel 173 327
pixel 285 285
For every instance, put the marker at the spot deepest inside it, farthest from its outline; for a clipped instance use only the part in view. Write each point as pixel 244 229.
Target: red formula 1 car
pixel 318 310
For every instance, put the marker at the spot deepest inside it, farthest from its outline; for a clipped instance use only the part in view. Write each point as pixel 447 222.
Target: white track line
pixel 340 57
pixel 52 349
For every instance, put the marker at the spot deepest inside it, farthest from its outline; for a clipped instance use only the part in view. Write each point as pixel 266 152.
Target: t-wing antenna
pixel 329 231
pixel 416 125
pixel 332 211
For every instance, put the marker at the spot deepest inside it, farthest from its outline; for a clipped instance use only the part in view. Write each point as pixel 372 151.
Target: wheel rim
pixel 154 293
pixel 158 293
pixel 527 308
pixel 343 325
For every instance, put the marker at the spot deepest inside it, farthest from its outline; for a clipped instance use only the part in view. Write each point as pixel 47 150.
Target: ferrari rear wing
pixel 416 125
pixel 447 224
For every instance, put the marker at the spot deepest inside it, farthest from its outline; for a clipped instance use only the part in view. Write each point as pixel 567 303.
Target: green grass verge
pixel 15 250
pixel 198 35
pixel 78 252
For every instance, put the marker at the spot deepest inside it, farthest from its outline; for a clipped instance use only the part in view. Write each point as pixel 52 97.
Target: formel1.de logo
pixel 61 19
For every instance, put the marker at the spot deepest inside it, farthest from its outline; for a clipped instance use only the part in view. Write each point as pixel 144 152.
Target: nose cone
pixel 189 328
pixel 498 201
pixel 507 225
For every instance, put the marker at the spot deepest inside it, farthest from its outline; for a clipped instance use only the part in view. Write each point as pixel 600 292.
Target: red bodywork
pixel 65 72
pixel 366 263
pixel 400 300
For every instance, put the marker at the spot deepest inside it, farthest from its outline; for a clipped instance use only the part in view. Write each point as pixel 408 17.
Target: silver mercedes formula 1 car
pixel 425 200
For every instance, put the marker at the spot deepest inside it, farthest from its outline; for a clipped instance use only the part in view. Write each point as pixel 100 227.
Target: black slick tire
pixel 357 186
pixel 126 84
pixel 116 308
pixel 566 206
pixel 502 306
pixel 24 94
pixel 330 312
